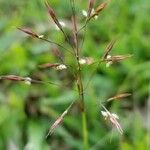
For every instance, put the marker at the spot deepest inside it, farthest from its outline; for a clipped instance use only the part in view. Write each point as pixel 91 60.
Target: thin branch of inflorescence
pixel 49 41
pixel 41 37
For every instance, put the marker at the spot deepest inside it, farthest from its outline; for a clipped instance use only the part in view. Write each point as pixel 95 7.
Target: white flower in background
pixel 84 13
pixel 28 80
pixel 62 24
pixel 113 118
pixel 61 67
pixel 108 62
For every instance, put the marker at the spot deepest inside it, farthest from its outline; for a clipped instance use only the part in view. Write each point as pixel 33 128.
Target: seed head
pixel 59 120
pixel 113 118
pixel 29 32
pixel 119 96
pixel 90 7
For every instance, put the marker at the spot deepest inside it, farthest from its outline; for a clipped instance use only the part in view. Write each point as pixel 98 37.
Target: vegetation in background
pixel 28 111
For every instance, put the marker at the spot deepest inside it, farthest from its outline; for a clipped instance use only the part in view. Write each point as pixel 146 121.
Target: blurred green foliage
pixel 27 112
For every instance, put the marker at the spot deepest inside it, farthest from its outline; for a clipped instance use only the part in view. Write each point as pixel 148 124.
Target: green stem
pixel 82 106
pixel 85 132
pixel 79 80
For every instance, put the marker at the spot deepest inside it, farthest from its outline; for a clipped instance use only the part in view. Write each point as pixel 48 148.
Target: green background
pixel 27 112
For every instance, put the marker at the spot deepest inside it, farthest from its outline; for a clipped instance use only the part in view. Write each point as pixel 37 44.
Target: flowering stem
pixel 82 106
pixel 79 78
pixel 80 89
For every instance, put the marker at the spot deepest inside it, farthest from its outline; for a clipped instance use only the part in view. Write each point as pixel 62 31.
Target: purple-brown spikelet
pixel 118 58
pixel 56 123
pixel 12 78
pixel 119 96
pixel 115 59
pixel 57 53
pixel 108 48
pixel 56 66
pixel 15 78
pixel 53 15
pixel 113 118
pixel 48 65
pixel 90 7
pixel 59 120
pixel 98 10
pixel 29 32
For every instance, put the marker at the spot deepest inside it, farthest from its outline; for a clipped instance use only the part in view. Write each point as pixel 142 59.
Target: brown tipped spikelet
pixel 109 48
pixel 90 7
pixel 56 123
pixel 118 58
pixel 119 96
pixel 59 120
pixel 29 32
pixel 113 118
pixel 12 77
pixel 57 53
pixel 49 65
pixel 53 15
pixel 56 66
pixel 27 80
pixel 98 10
pixel 115 59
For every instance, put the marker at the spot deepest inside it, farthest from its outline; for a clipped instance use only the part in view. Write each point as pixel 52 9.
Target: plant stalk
pixel 82 106
pixel 82 102
pixel 79 80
